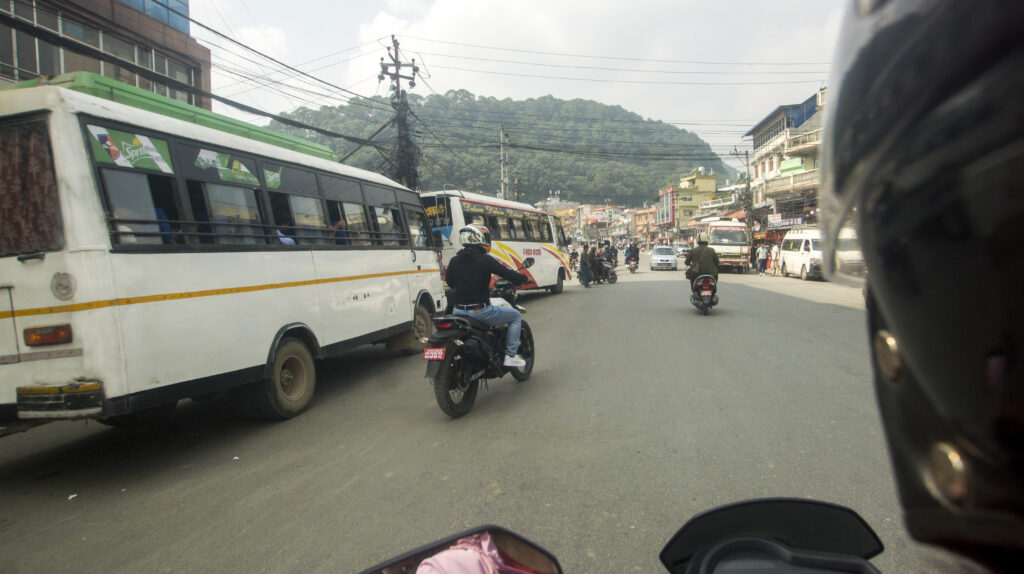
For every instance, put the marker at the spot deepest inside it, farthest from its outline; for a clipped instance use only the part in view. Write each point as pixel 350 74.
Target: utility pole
pixel 405 171
pixel 504 162
pixel 748 199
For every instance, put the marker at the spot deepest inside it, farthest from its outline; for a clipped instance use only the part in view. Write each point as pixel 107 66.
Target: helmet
pixel 702 237
pixel 922 192
pixel 475 234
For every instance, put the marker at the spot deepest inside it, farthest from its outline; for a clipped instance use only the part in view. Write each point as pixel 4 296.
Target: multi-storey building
pixel 784 171
pixel 145 43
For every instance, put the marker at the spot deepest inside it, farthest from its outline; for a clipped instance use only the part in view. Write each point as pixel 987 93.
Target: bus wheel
pixel 557 287
pixel 408 343
pixel 289 390
pixel 154 416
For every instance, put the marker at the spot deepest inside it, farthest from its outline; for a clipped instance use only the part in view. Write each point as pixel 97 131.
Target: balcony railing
pixel 717 203
pixel 796 182
pixel 803 142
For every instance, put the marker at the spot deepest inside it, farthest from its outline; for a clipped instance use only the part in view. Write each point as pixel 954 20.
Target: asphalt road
pixel 639 414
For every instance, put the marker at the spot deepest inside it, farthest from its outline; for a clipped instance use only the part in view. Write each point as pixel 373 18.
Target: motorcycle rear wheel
pixel 526 351
pixel 454 392
pixel 612 276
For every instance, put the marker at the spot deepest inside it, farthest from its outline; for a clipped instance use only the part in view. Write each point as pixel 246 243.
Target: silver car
pixel 664 257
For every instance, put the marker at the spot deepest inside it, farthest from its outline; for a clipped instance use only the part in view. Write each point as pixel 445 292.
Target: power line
pixel 620 58
pixel 645 82
pixel 607 69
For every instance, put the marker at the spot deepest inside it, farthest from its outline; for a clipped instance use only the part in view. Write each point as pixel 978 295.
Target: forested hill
pixel 591 152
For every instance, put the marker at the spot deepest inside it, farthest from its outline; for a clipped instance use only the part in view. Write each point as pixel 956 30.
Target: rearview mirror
pixel 528 262
pixel 482 549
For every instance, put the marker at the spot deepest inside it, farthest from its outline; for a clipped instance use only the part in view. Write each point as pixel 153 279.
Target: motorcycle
pixel 609 276
pixel 633 264
pixel 704 293
pixel 464 352
pixel 766 535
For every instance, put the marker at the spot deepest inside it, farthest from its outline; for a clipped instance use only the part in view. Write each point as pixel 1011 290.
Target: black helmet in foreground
pixel 923 194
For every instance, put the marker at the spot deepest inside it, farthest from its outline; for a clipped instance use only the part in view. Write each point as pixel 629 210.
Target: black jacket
pixel 469 274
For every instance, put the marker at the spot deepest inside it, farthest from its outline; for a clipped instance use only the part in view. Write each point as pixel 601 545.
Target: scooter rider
pixel 632 253
pixel 921 152
pixel 469 274
pixel 706 258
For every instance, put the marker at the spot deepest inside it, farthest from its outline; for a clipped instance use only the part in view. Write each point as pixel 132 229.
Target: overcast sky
pixel 714 67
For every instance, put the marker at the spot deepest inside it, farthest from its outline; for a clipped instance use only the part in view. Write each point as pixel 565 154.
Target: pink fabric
pixel 475 554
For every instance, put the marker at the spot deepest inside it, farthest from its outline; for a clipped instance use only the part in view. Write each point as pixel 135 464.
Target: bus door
pixel 425 255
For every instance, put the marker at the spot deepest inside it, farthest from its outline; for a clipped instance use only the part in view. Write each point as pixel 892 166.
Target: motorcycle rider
pixel 706 258
pixel 469 274
pixel 632 253
pixel 921 155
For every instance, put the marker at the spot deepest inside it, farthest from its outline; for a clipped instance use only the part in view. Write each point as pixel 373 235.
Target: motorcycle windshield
pixel 806 525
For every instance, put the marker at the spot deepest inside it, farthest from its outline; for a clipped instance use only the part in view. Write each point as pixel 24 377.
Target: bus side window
pixel 476 219
pixel 545 229
pixel 358 224
pixel 502 227
pixel 295 204
pixel 143 208
pixel 518 229
pixel 419 230
pixel 389 226
pixel 299 217
pixel 339 227
pixel 236 214
pixel 531 229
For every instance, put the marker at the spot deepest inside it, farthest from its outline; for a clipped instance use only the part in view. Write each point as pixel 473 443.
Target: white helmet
pixel 702 237
pixel 475 234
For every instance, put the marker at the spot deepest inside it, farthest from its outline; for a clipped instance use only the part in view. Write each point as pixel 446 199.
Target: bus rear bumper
pixel 79 399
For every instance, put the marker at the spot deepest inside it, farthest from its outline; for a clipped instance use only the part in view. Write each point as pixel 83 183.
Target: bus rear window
pixel 29 207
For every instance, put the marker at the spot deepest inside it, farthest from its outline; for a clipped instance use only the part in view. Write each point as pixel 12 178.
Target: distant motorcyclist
pixel 632 253
pixel 469 274
pixel 706 258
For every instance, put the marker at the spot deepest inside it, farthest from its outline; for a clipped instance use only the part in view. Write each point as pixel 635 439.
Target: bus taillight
pixel 50 335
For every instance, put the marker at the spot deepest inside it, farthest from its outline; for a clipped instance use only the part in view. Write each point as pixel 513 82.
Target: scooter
pixel 766 535
pixel 610 276
pixel 633 264
pixel 464 352
pixel 704 293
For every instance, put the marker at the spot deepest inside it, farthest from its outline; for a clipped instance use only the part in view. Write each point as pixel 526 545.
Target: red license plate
pixel 703 294
pixel 433 354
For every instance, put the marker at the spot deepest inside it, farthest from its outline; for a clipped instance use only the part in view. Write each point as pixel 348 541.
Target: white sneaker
pixel 516 361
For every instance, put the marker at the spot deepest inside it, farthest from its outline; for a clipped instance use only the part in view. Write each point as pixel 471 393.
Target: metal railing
pixel 799 181
pixel 808 140
pixel 717 203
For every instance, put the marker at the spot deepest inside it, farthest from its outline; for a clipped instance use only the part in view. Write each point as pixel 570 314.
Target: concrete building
pixel 784 170
pixel 139 42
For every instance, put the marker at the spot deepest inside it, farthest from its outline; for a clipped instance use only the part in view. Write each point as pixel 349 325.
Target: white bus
pixel 518 231
pixel 147 257
pixel 730 240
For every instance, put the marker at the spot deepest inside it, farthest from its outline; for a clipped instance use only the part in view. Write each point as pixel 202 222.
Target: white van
pixel 801 252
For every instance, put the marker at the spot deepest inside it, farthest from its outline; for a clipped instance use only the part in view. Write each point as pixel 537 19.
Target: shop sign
pixel 786 222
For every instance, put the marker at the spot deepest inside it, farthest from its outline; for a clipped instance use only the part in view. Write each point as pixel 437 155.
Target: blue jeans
pixel 494 316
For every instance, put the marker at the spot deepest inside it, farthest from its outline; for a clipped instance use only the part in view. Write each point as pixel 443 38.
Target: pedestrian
pixel 585 275
pixel 775 260
pixel 762 256
pixel 593 263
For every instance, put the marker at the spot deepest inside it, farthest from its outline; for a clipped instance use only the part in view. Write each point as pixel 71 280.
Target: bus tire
pixel 289 390
pixel 783 270
pixel 408 342
pixel 154 416
pixel 557 287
